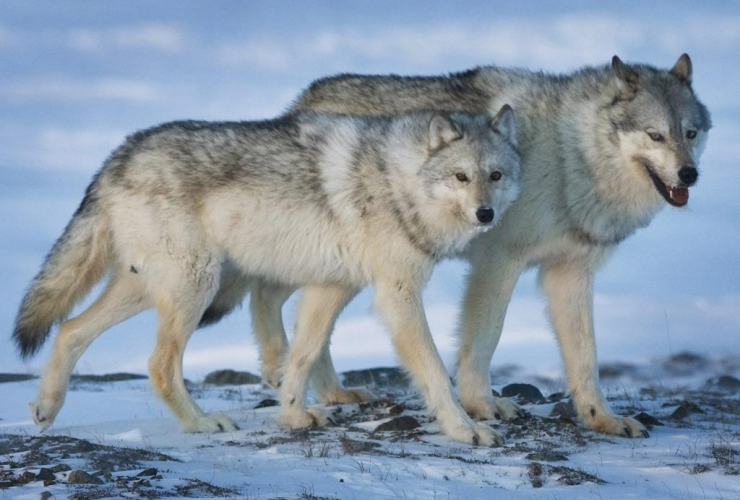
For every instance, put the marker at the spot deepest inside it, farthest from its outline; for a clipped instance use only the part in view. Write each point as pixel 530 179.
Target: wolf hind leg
pixel 180 306
pixel 327 386
pixel 122 298
pixel 317 313
pixel 265 304
pixel 568 286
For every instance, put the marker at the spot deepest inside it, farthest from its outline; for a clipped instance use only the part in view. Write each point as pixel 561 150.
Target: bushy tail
pixel 76 262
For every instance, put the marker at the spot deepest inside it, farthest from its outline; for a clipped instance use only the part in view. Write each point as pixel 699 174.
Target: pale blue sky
pixel 77 76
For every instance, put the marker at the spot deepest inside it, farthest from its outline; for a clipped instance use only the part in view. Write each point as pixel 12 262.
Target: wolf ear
pixel 442 131
pixel 682 68
pixel 627 78
pixel 505 124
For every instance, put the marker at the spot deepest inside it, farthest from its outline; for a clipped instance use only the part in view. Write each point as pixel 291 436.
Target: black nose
pixel 688 175
pixel 484 214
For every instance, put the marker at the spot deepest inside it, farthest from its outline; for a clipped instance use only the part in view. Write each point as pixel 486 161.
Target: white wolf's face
pixel 662 130
pixel 475 177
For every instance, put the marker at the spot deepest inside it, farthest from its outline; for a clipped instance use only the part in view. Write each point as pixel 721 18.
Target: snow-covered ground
pixel 115 431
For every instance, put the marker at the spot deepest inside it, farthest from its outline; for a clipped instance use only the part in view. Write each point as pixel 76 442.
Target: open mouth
pixel 675 195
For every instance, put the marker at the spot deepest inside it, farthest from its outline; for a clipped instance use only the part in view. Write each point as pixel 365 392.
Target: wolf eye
pixel 495 175
pixel 461 177
pixel 690 134
pixel 656 136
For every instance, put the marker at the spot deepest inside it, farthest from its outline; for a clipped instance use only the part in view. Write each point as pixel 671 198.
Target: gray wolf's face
pixel 661 127
pixel 476 174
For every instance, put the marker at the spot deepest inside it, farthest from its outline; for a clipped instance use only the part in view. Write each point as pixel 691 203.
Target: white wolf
pixel 331 203
pixel 603 150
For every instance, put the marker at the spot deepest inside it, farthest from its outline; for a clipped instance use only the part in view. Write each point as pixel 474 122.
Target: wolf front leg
pixel 489 286
pixel 568 286
pixel 317 312
pixel 399 302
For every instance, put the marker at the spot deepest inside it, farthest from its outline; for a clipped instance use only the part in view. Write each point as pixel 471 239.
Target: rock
pixel 15 377
pixel 564 411
pixel 45 475
pixel 547 456
pixel 231 377
pixel 526 393
pixel 403 423
pixel 616 370
pixel 376 377
pixel 685 363
pixel 147 472
pixel 726 383
pixel 495 393
pixel 647 420
pixel 61 468
pixel 267 403
pixel 82 477
pixel 46 495
pixel 109 377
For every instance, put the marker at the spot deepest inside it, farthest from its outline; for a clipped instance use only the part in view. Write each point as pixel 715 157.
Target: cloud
pixel 258 53
pixel 159 37
pixel 81 149
pixel 83 90
pixel 554 43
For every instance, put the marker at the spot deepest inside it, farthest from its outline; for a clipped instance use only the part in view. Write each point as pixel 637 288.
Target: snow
pixel 697 457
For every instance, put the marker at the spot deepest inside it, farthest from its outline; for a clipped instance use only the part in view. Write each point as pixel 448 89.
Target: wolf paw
pixel 301 419
pixel 271 377
pixel 617 426
pixel 475 433
pixel 43 414
pixel 216 422
pixel 506 409
pixel 481 409
pixel 347 396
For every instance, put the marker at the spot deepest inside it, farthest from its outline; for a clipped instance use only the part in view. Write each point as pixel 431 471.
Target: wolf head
pixel 470 175
pixel 659 126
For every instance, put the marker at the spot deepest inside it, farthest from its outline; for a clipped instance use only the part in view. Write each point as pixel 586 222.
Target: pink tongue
pixel 679 195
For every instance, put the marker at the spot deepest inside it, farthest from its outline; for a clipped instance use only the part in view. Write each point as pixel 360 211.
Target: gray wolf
pixel 603 150
pixel 325 202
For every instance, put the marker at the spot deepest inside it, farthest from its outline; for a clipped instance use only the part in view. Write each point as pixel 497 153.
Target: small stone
pixel 45 475
pixel 403 423
pixel 376 377
pixel 26 477
pixel 547 456
pixel 267 403
pixel 82 477
pixel 647 420
pixel 396 409
pixel 46 495
pixel 685 409
pixel 61 468
pixel 526 393
pixel 147 472
pixel 49 482
pixel 563 410
pixel 555 397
